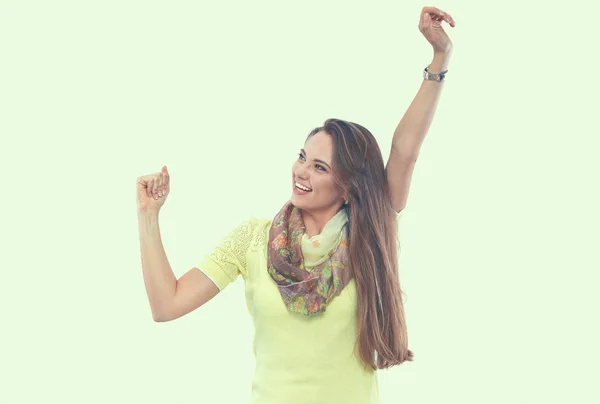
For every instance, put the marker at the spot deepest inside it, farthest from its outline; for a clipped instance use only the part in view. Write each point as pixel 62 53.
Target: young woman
pixel 321 276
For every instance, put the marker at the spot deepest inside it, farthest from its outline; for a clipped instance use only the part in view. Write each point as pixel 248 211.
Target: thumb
pixel 427 20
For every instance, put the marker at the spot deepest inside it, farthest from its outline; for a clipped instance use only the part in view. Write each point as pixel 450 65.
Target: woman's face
pixel 313 170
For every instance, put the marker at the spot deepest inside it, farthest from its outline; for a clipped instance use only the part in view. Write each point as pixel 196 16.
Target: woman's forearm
pixel 411 131
pixel 159 279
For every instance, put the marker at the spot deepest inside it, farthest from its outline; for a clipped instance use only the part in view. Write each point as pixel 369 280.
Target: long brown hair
pixel 359 170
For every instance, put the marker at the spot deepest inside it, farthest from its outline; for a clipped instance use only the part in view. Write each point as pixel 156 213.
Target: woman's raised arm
pixel 414 125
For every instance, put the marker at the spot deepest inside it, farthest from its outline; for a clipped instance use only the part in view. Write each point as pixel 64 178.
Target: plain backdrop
pixel 499 239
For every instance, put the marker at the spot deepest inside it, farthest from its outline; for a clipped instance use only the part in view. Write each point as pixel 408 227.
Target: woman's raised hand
pixel 152 190
pixel 430 25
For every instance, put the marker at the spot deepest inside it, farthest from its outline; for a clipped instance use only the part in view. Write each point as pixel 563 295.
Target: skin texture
pixel 326 197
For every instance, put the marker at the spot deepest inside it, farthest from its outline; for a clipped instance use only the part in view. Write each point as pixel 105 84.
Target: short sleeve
pixel 228 260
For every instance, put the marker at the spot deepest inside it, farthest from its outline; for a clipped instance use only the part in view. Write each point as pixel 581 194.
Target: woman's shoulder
pixel 260 230
pixel 251 232
pixel 254 224
pixel 257 222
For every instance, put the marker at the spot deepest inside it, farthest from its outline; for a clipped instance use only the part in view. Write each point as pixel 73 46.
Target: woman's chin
pixel 297 201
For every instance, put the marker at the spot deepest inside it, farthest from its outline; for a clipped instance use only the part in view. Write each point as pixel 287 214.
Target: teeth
pixel 302 187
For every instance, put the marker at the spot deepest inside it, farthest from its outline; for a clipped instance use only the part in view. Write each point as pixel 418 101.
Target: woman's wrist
pixel 440 62
pixel 148 214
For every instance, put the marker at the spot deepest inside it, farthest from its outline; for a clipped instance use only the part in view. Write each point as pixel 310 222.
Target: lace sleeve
pixel 228 260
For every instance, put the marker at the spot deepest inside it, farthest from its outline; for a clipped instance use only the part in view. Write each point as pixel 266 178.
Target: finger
pixel 451 21
pixel 432 10
pixel 167 180
pixel 425 21
pixel 440 15
pixel 165 176
pixel 149 185
pixel 428 21
pixel 437 14
pixel 155 186
pixel 162 191
pixel 435 20
pixel 424 17
pixel 446 17
pixel 161 182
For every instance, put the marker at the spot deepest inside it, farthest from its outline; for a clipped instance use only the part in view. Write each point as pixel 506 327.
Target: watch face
pixel 433 76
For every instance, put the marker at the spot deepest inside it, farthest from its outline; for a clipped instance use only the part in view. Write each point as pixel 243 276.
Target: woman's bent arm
pixel 159 279
pixel 169 298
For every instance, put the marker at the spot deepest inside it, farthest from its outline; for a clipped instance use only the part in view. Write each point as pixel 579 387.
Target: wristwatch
pixel 434 76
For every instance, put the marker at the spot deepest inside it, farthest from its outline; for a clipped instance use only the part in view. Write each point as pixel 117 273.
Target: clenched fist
pixel 152 191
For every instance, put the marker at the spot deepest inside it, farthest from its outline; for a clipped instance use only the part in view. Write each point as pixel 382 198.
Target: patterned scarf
pixel 309 272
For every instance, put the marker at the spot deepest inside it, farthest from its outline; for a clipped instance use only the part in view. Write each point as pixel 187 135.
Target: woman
pixel 321 276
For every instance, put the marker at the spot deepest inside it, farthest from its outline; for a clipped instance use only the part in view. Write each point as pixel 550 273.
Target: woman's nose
pixel 301 172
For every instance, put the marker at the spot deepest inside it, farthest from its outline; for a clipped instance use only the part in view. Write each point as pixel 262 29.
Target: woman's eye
pixel 320 167
pixel 300 155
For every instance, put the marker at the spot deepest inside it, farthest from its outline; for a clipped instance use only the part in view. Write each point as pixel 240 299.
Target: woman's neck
pixel 314 222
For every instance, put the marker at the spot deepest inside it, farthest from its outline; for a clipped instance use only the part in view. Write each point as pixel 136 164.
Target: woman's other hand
pixel 152 191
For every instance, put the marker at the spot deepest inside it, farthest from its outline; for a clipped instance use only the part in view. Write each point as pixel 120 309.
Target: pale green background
pixel 498 237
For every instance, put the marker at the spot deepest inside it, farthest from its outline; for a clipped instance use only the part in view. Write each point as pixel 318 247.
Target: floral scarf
pixel 309 272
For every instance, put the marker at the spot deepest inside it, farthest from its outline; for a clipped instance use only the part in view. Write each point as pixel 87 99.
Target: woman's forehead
pixel 320 146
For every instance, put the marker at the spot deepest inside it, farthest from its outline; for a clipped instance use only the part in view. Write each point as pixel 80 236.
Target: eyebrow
pixel 317 160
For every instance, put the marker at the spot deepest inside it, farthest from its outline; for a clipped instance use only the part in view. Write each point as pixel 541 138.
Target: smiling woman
pixel 330 254
pixel 321 275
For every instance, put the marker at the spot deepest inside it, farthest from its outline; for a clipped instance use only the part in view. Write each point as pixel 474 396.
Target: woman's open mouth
pixel 301 189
